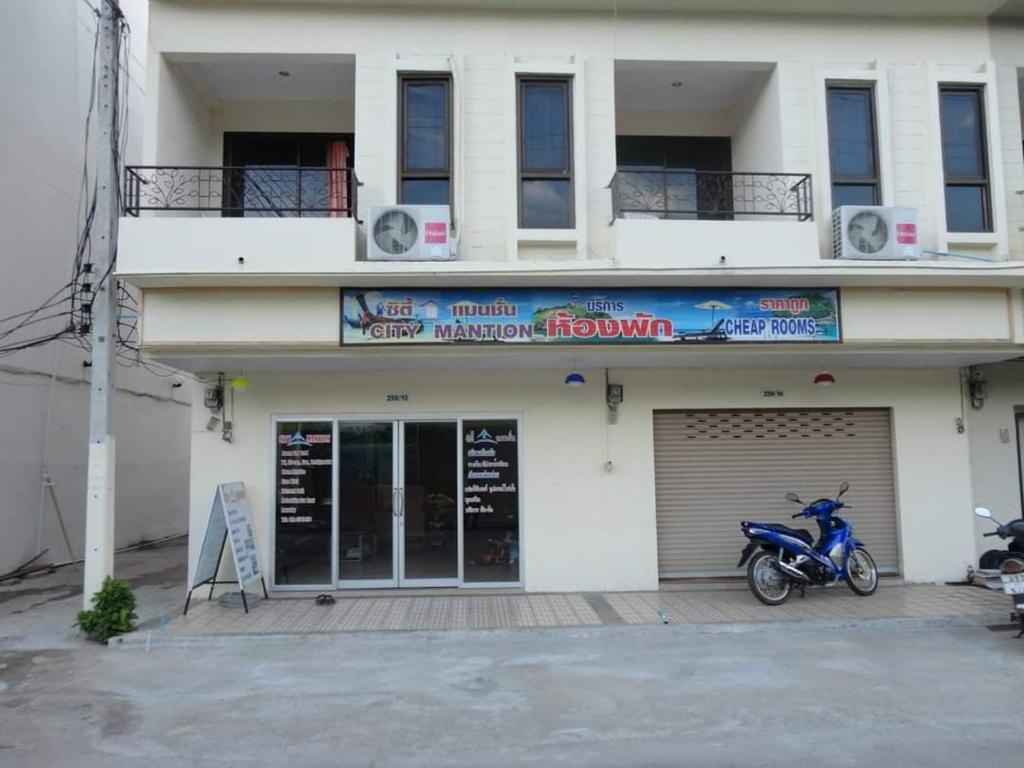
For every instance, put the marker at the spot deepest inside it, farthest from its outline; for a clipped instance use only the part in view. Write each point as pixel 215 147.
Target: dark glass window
pixel 674 177
pixel 287 174
pixel 490 500
pixel 965 159
pixel 545 153
pixel 853 153
pixel 304 511
pixel 426 140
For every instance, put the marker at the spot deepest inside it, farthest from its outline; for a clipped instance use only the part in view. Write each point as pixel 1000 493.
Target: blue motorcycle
pixel 781 557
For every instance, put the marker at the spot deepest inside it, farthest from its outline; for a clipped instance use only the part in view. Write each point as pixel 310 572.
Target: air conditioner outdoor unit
pixel 408 233
pixel 874 232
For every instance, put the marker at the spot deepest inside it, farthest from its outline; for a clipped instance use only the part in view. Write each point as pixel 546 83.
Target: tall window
pixel 545 153
pixel 852 146
pixel 425 143
pixel 965 159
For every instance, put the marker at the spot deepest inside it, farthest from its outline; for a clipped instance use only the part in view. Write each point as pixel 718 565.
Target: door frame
pixel 396 420
pixel 401 581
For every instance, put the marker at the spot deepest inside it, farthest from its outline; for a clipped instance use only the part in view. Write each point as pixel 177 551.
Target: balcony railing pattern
pixel 663 193
pixel 264 191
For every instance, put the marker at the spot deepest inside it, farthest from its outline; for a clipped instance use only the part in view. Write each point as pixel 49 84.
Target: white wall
pixel 183 125
pixel 994 448
pixel 872 318
pixel 784 125
pixel 1009 57
pixel 673 122
pixel 284 116
pixel 757 127
pixel 46 51
pixel 587 528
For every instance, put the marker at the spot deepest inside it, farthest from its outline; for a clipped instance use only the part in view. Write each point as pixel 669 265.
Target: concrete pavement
pixel 831 689
pixel 872 694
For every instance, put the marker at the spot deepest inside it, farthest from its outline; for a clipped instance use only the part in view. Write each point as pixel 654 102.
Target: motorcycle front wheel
pixel 769 585
pixel 861 573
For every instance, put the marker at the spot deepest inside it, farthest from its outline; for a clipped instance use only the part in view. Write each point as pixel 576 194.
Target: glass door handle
pixel 395 496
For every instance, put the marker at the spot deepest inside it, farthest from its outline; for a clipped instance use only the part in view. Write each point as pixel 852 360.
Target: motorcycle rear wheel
pixel 861 572
pixel 769 585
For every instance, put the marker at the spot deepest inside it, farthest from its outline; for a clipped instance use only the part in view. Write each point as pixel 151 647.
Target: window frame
pixel 839 180
pixel 984 182
pixel 568 174
pixel 404 173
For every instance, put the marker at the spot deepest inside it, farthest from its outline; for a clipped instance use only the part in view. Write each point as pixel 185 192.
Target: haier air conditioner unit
pixel 408 233
pixel 874 232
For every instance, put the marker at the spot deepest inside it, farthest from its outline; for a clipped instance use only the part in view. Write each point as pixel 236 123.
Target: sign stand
pixel 229 518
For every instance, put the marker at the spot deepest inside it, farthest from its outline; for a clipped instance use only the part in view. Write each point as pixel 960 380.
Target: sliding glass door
pixel 364 503
pixel 367 504
pixel 429 514
pixel 398 503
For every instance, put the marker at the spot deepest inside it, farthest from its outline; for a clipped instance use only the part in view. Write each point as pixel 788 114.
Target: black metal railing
pixel 664 193
pixel 264 191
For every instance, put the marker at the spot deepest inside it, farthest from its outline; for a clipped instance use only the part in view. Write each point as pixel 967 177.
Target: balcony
pixel 250 175
pixel 201 221
pixel 646 193
pixel 677 202
pixel 250 192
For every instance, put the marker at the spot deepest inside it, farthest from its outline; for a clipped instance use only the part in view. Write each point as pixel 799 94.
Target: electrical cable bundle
pixel 66 315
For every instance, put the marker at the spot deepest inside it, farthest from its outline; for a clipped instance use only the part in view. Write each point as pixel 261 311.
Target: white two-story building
pixel 551 295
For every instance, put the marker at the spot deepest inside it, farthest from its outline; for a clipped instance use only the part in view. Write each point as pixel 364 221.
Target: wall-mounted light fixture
pixel 240 383
pixel 977 388
pixel 824 379
pixel 575 379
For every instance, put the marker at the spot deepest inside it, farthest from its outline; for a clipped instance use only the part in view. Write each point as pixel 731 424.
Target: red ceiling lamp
pixel 824 379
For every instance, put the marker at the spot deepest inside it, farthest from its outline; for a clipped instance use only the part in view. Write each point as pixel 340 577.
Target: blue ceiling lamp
pixel 575 379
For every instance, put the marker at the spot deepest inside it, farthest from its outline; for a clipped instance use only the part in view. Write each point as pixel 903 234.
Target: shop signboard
pixel 590 316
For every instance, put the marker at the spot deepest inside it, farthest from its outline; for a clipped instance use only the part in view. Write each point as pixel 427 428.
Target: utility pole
pixel 99 508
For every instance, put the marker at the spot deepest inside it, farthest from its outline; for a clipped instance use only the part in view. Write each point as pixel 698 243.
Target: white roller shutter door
pixel 716 468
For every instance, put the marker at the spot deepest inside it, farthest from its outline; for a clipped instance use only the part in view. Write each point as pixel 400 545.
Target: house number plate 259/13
pixel 397 397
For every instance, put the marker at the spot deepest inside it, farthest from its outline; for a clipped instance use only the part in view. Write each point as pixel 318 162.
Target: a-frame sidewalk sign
pixel 229 521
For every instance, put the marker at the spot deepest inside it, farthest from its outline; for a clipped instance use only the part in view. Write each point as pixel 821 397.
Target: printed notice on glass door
pixel 490 500
pixel 303 526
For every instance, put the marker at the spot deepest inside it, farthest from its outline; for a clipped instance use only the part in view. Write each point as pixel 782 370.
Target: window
pixel 425 141
pixel 545 153
pixel 965 159
pixel 675 177
pixel 853 154
pixel 287 174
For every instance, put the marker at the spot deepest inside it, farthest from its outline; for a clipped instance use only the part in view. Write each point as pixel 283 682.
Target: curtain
pixel 337 178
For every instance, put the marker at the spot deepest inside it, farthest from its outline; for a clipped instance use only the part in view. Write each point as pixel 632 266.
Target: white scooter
pixel 1010 561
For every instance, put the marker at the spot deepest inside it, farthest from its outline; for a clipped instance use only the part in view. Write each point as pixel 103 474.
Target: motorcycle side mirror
pixel 983 512
pixel 794 498
pixel 843 488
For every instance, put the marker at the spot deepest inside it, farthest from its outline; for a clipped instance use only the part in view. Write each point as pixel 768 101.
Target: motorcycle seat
pixel 800 533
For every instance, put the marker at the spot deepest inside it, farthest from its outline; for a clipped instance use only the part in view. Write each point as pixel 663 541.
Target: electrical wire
pixel 69 308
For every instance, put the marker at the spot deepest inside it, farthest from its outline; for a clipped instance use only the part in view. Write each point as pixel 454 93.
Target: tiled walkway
pixel 495 611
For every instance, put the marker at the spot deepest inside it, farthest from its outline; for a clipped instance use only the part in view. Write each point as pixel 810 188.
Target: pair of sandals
pixel 324 599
